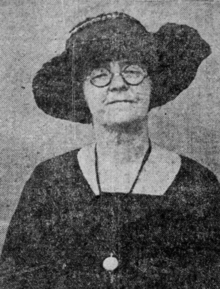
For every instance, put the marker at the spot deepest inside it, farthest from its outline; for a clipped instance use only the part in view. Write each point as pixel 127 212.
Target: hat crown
pixel 100 18
pixel 105 27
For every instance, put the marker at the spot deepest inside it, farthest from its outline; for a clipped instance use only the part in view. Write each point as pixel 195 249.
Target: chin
pixel 123 121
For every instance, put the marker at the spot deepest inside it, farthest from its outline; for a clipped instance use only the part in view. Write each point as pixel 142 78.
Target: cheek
pixel 142 93
pixel 93 97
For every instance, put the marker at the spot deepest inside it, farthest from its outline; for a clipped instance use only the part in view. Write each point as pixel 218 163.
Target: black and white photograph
pixel 110 144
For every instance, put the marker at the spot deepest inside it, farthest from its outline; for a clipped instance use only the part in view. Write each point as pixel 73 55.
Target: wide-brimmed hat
pixel 172 56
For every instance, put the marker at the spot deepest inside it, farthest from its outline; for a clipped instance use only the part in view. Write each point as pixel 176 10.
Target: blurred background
pixel 34 31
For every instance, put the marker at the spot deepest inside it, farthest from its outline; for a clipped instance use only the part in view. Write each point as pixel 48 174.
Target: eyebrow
pixel 125 62
pixel 104 64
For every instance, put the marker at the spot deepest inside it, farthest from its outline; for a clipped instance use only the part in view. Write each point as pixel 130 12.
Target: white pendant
pixel 110 263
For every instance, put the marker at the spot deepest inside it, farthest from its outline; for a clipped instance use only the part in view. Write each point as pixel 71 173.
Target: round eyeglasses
pixel 131 74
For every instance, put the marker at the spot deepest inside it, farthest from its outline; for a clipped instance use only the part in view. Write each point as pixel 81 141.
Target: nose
pixel 117 83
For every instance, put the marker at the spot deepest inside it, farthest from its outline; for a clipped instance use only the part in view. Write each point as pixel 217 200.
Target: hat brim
pixel 180 52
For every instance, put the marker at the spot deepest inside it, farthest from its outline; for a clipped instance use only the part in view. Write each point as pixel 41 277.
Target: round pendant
pixel 110 263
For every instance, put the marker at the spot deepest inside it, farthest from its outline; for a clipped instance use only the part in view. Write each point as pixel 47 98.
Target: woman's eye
pixel 101 75
pixel 132 73
pixel 133 70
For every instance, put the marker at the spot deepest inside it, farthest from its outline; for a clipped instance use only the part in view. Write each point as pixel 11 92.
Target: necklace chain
pixel 145 158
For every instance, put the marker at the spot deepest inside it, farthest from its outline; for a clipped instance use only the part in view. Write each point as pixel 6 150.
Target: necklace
pixel 111 263
pixel 145 158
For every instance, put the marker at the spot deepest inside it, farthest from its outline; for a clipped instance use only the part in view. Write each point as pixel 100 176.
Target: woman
pixel 122 212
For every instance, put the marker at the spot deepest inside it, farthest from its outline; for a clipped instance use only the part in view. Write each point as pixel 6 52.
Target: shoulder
pixel 50 178
pixel 193 171
pixel 56 167
pixel 194 179
pixel 180 173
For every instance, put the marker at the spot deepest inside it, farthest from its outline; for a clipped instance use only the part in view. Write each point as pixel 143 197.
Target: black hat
pixel 172 56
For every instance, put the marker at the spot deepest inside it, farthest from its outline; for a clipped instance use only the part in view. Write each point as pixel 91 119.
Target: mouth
pixel 120 101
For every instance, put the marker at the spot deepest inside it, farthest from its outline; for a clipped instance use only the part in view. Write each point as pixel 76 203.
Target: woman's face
pixel 118 93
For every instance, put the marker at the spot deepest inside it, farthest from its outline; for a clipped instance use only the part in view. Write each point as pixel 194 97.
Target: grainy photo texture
pixel 103 193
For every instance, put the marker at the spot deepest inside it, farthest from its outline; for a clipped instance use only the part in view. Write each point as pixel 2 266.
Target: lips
pixel 122 101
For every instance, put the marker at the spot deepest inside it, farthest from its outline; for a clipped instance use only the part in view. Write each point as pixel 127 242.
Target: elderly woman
pixel 121 212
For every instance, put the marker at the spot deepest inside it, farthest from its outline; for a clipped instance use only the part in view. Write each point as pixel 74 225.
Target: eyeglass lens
pixel 132 74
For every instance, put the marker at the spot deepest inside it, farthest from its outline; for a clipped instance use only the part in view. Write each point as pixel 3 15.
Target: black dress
pixel 61 232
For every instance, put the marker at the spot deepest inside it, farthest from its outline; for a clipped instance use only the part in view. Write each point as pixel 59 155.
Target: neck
pixel 122 144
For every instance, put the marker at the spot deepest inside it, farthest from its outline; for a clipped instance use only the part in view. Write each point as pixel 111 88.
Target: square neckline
pixel 165 194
